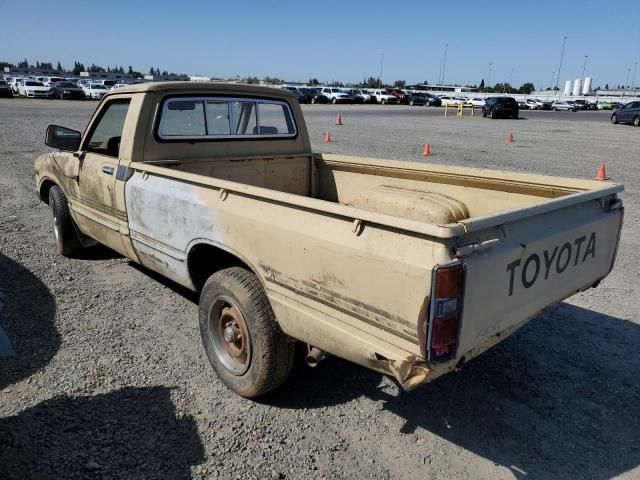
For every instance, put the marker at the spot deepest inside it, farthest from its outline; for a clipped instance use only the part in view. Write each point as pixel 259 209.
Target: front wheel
pixel 554 109
pixel 411 103
pixel 241 337
pixel 636 121
pixel 334 101
pixel 61 96
pixel 614 119
pixel 67 241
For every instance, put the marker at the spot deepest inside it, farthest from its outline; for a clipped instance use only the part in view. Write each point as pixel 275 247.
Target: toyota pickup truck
pixel 406 268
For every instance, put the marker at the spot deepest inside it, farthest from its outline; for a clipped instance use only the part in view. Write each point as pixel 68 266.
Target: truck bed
pixel 426 193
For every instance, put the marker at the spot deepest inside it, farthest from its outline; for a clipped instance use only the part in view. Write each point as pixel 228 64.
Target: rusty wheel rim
pixel 230 335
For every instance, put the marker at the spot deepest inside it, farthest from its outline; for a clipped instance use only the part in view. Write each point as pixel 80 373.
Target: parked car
pixel 50 81
pixel 398 93
pixel 34 89
pixel 69 90
pixel 449 100
pixel 315 95
pixel 360 96
pixel 302 97
pixel 15 82
pixel 335 95
pixel 563 105
pixel 500 107
pixel 533 104
pixel 416 98
pixel 5 89
pixel 585 105
pixel 95 91
pixel 608 105
pixel 476 102
pixel 523 105
pixel 118 86
pixel 384 97
pixel 629 113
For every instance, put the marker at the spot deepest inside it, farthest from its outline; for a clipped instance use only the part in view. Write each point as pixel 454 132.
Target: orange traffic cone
pixel 338 119
pixel 602 173
pixel 427 150
pixel 510 138
pixel 327 137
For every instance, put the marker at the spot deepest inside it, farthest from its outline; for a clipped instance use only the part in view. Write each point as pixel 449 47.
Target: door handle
pixel 107 169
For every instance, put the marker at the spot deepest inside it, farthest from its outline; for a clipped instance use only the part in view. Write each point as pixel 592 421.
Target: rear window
pixel 224 118
pixel 505 101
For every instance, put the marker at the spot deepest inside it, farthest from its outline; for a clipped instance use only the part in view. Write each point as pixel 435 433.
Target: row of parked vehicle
pixel 411 97
pixel 57 87
pixel 383 96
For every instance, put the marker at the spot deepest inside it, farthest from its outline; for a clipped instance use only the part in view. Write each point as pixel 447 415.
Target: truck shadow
pixel 27 315
pixel 559 399
pixel 130 433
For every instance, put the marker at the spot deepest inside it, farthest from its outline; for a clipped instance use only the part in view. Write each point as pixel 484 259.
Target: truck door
pixel 95 210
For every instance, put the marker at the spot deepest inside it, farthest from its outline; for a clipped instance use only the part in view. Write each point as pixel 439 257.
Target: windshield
pixel 67 84
pixel 34 84
pixel 504 100
pixel 97 87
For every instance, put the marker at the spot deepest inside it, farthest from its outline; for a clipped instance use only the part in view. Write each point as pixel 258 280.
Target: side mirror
pixel 62 138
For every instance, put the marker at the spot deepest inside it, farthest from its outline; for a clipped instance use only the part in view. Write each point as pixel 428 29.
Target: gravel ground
pixel 110 381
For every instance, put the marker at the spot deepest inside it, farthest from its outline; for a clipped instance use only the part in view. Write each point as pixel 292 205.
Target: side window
pixel 274 119
pixel 105 137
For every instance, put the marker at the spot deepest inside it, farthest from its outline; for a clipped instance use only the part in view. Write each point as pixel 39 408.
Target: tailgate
pixel 534 262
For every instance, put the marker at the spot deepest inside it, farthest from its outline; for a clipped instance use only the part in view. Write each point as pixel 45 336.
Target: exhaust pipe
pixel 314 356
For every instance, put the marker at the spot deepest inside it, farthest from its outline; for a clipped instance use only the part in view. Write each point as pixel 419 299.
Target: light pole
pixel 626 82
pixel 560 67
pixel 510 80
pixel 444 62
pixel 633 80
pixel 553 75
pixel 380 74
pixel 584 68
pixel 489 77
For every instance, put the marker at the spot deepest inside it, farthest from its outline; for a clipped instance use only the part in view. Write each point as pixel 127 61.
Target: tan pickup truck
pixel 406 268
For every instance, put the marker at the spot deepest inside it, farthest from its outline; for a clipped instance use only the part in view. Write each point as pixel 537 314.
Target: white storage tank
pixel 576 87
pixel 567 88
pixel 586 88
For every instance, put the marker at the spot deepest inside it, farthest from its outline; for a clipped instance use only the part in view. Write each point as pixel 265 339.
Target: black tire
pixel 636 121
pixel 334 101
pixel 411 103
pixel 614 119
pixel 313 100
pixel 61 96
pixel 268 354
pixel 64 232
pixel 515 116
pixel 554 109
pixel 493 114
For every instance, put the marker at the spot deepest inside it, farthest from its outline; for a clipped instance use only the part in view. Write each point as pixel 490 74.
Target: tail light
pixel 444 314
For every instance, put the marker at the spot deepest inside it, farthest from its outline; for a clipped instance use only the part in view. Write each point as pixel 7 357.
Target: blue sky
pixel 334 40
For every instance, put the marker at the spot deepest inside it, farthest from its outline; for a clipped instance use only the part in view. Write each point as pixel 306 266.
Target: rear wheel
pixel 241 337
pixel 554 109
pixel 614 119
pixel 67 241
pixel 61 96
pixel 411 103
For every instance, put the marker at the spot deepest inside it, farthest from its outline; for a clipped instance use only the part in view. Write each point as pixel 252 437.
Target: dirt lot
pixel 110 381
